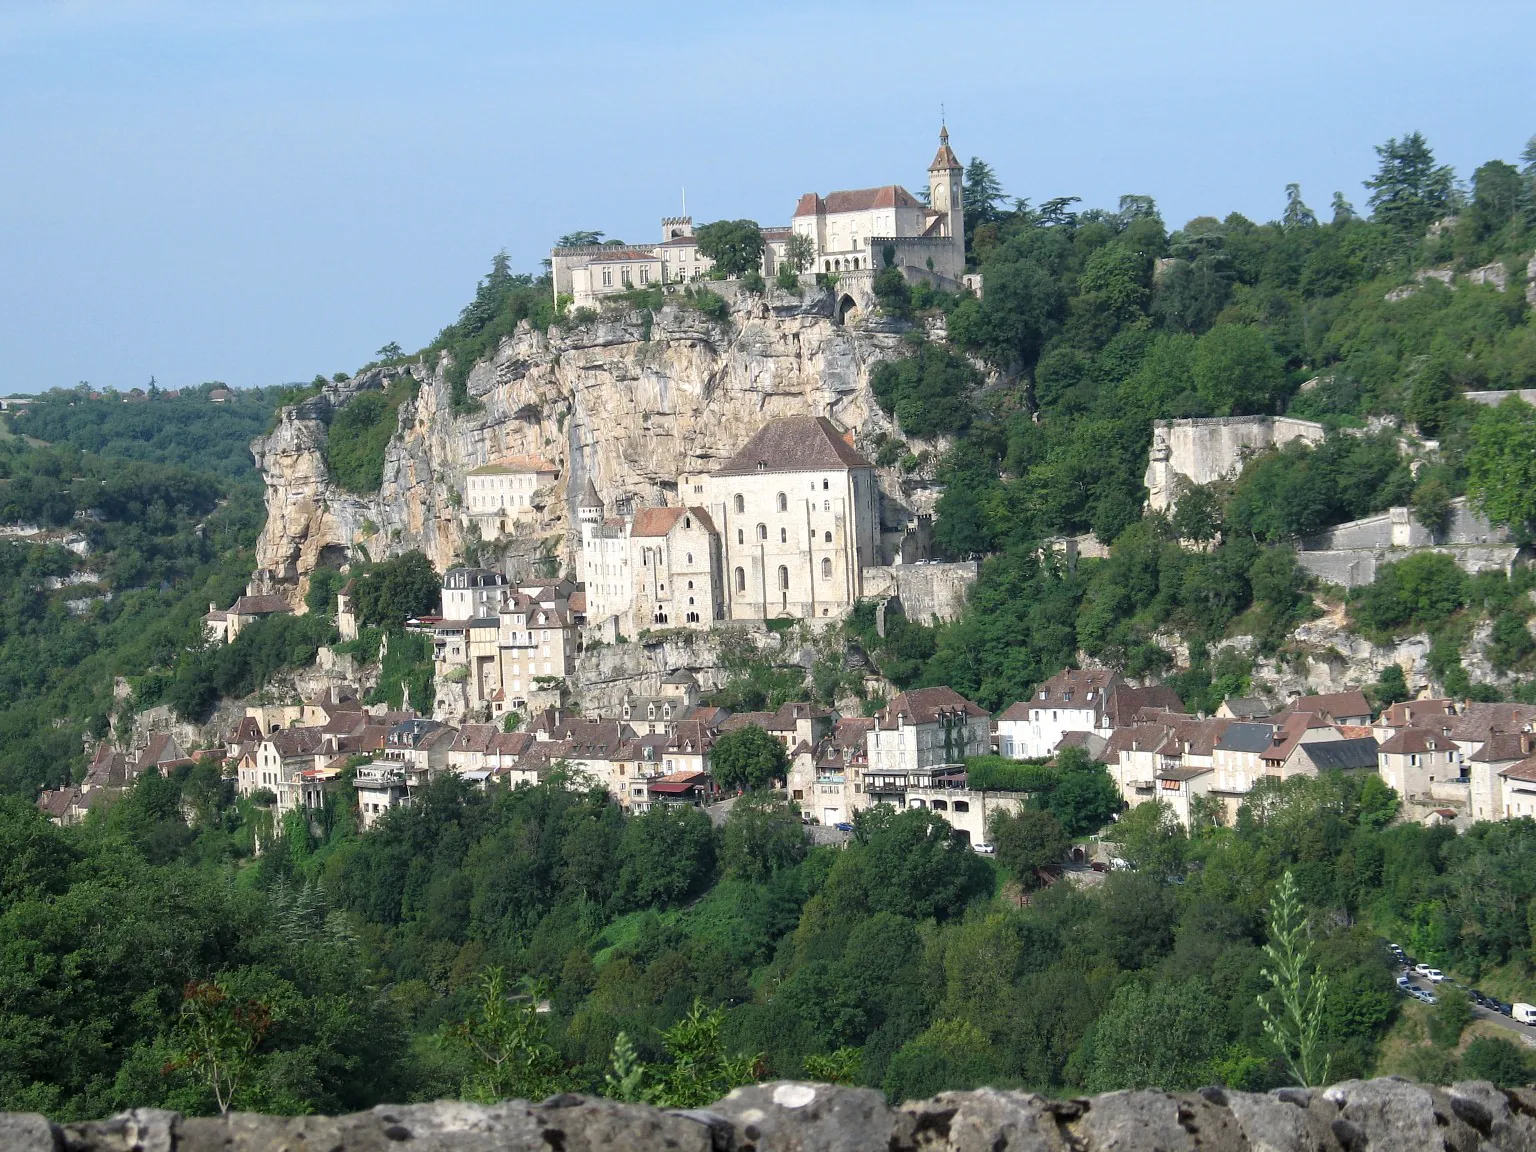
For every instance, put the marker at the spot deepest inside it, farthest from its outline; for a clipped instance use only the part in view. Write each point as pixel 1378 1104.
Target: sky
pixel 255 191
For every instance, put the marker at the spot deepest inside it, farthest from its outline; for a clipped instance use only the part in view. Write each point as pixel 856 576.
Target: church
pixel 782 529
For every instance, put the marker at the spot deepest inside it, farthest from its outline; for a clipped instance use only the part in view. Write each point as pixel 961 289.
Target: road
pixel 1526 1035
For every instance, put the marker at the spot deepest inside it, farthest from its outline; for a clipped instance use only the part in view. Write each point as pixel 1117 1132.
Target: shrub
pixel 1416 594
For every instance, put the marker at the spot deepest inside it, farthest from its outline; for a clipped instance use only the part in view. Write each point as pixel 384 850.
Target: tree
pixel 1151 839
pixel 579 240
pixel 666 855
pixel 929 393
pixel 1501 465
pixel 735 246
pixel 1009 324
pixel 697 1071
pixel 1160 1035
pixel 389 353
pixel 928 869
pixel 1198 514
pixel 218 1036
pixel 1293 1007
pixel 1409 191
pixel 1297 214
pixel 951 1055
pixel 1026 841
pixel 1343 210
pixel 763 834
pixel 799 251
pixel 1084 798
pixel 983 193
pixel 1236 371
pixel 506 1044
pixel 390 593
pixel 748 758
pixel 1489 1058
pixel 1449 1017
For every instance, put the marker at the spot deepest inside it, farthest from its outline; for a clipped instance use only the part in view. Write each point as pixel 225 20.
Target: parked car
pixel 1404 983
pixel 1434 975
pixel 1427 997
pixel 843 827
pixel 1422 969
pixel 1506 1009
pixel 986 850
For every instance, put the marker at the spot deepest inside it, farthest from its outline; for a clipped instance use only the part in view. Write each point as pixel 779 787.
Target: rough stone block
pixel 789 1116
pixel 27 1132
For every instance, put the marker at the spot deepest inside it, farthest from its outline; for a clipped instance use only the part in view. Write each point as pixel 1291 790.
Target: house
pixel 695 788
pixel 1413 714
pixel 1238 758
pixel 422 744
pixel 381 786
pixel 495 646
pixel 221 627
pixel 470 748
pixel 1187 767
pixel 1335 707
pixel 919 734
pixel 827 780
pixel 1347 754
pixel 277 763
pixel 160 752
pixel 1244 708
pixel 1484 772
pixel 1414 758
pixel 1517 785
pixel 1291 730
pixel 1076 700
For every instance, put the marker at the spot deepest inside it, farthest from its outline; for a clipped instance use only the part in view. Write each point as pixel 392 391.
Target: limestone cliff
pixel 632 400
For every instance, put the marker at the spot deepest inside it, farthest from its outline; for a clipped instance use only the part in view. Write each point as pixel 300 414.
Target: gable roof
pixel 1502 747
pixel 258 606
pixel 1241 736
pixel 1414 740
pixel 925 705
pixel 514 466
pixel 1342 755
pixel 1332 705
pixel 1416 713
pixel 660 521
pixel 794 444
pixel 857 200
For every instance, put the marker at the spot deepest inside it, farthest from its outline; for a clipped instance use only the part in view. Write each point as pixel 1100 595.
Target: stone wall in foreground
pixel 1388 1115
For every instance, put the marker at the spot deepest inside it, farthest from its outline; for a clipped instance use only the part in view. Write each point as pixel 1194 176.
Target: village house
pixel 1414 759
pixel 921 734
pixel 222 626
pixel 1335 707
pixel 1090 700
pixel 1485 768
pixel 826 779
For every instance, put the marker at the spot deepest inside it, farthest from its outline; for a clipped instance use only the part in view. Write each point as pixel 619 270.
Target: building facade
pixel 497 496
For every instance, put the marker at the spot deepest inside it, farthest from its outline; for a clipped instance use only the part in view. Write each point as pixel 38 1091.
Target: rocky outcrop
pixel 1388 1115
pixel 634 401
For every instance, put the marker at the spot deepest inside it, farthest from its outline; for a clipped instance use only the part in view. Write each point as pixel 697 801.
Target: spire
pixel 944 160
pixel 589 496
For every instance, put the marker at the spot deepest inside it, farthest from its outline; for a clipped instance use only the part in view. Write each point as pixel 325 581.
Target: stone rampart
pixel 1388 1115
pixel 1494 399
pixel 1192 452
pixel 926 591
pixel 1349 567
pixel 1350 554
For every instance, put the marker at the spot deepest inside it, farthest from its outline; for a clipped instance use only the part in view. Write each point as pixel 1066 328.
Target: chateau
pixel 854 232
pixel 783 529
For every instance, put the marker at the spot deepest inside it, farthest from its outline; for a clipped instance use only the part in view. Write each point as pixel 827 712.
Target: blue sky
pixel 259 190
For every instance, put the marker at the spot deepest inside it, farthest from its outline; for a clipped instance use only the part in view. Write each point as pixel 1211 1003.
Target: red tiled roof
pixel 1331 705
pixel 1415 740
pixel 924 706
pixel 259 606
pixel 856 200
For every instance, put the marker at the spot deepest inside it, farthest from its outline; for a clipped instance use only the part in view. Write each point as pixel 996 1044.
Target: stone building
pixel 495 646
pixel 676 564
pixel 1187 453
pixel 920 737
pixel 798 513
pixel 864 229
pixel 496 496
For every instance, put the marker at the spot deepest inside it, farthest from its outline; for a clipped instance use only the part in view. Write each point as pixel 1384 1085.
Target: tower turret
pixel 589 510
pixel 946 179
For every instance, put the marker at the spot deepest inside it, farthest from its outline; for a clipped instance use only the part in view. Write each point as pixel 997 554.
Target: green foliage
pixel 394 591
pixel 359 433
pixel 1294 1006
pixel 763 835
pixel 1298 490
pixel 1501 464
pixel 749 757
pixel 950 1054
pixel 929 393
pixel 799 252
pixel 1236 372
pixel 735 246
pixel 697 1069
pixel 1416 594
pixel 1028 840
pixel 502 301
pixel 666 855
pixel 710 304
pixel 989 773
pixel 1449 1017
pixel 1409 191
pixel 505 1044
pixel 1503 1062
pixel 1160 1035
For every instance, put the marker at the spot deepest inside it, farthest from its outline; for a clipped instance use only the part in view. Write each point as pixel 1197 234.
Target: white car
pixel 1435 975
pixel 986 850
pixel 1422 969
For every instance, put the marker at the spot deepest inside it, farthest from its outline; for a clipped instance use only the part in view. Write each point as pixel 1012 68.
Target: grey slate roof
pixel 1343 755
pixel 1247 738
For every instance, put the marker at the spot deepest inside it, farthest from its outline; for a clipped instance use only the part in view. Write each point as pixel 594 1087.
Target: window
pixel 690 561
pixel 826 505
pixel 741 503
pixel 825 485
pixel 741 536
pixel 783 535
pixel 962 805
pixel 688 523
pixel 827 536
pixel 826 568
pixel 783 578
pixel 762 531
pixel 607 277
pixel 624 276
pixel 645 275
pixel 741 580
pixel 783 502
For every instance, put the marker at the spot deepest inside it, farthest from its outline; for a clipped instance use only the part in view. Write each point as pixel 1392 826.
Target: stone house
pixel 1485 766
pixel 497 496
pixel 381 785
pixel 1091 700
pixel 827 779
pixel 1349 707
pixel 676 562
pixel 470 748
pixel 1413 759
pixel 921 734
pixel 221 627
pixel 421 744
pixel 1517 785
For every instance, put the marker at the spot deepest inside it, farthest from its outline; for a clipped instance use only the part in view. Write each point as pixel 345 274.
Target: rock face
pixel 634 401
pixel 1388 1115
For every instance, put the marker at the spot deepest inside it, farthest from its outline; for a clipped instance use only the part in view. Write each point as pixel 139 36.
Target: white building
pixel 798 514
pixel 496 496
pixel 1091 700
pixel 470 593
pixel 920 738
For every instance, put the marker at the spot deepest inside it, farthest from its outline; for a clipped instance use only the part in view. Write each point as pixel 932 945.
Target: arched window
pixel 855 261
pixel 741 579
pixel 690 560
pixel 645 557
pixel 828 264
pixel 688 523
pixel 828 537
pixel 741 536
pixel 826 568
pixel 825 485
pixel 783 502
pixel 783 535
pixel 762 531
pixel 741 502
pixel 783 578
pixel 690 586
pixel 826 505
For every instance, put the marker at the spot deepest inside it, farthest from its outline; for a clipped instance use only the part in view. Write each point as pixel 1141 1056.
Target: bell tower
pixel 946 179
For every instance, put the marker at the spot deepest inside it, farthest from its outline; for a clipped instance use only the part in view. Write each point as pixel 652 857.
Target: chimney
pixel 1525 743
